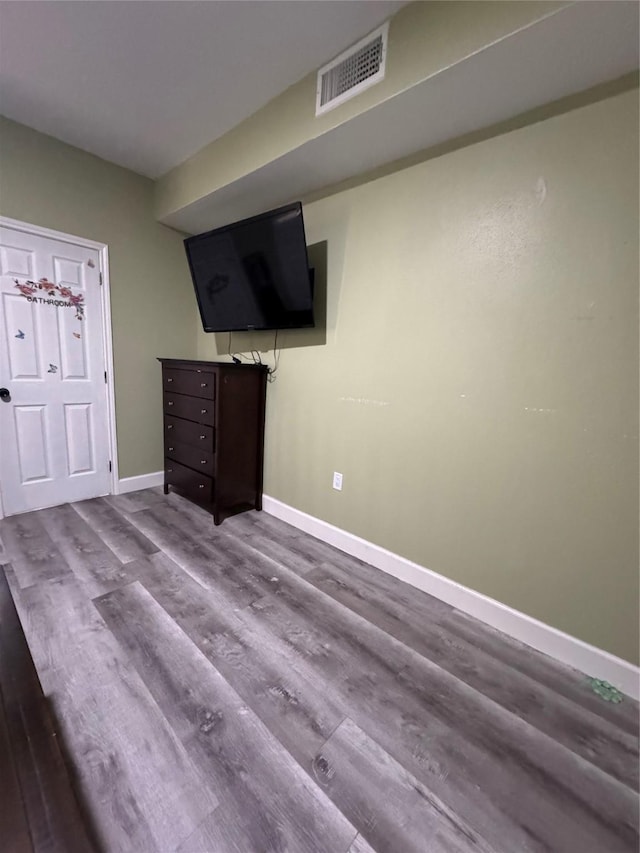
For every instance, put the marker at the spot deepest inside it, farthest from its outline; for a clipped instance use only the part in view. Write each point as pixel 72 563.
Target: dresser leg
pixel 166 489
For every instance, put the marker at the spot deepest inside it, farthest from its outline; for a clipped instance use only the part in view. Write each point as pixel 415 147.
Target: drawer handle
pixel 169 379
pixel 170 403
pixel 171 448
pixel 202 411
pixel 203 461
pixel 203 384
pixel 169 426
pixel 202 437
pixel 201 486
pixel 169 470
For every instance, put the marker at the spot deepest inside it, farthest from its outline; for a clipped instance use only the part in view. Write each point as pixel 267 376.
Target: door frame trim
pixel 107 339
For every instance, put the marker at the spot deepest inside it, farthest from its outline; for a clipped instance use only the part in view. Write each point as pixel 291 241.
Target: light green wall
pixel 424 39
pixel 478 387
pixel 47 183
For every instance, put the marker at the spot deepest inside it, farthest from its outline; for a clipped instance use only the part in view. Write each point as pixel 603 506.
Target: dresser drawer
pixel 192 457
pixel 192 483
pixel 189 382
pixel 191 408
pixel 186 432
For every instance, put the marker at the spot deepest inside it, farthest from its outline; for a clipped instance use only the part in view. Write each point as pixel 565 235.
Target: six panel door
pixel 54 445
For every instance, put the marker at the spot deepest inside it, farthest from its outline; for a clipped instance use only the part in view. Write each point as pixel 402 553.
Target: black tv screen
pixel 253 274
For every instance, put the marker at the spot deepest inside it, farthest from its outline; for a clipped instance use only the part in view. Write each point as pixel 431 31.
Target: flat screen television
pixel 253 274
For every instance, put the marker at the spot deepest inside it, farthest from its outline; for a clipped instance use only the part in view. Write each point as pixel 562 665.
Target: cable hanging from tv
pixel 271 374
pixel 256 358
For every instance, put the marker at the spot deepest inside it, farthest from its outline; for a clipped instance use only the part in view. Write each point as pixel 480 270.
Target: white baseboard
pixel 142 481
pixel 565 648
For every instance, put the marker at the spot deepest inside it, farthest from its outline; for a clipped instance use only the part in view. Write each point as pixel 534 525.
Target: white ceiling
pixel 147 84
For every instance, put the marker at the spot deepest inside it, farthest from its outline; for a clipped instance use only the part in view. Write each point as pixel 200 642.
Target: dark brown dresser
pixel 214 433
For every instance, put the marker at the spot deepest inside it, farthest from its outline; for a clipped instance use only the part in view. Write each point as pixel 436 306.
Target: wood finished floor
pixel 248 688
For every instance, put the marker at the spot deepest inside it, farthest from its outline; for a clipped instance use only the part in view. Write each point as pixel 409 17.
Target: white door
pixel 54 429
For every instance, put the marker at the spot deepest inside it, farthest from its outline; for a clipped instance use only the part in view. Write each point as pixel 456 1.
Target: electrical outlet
pixel 337 481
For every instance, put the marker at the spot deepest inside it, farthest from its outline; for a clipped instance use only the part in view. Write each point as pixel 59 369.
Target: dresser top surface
pixel 203 365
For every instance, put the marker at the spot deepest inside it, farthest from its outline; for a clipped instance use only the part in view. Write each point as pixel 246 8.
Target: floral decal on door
pixel 59 295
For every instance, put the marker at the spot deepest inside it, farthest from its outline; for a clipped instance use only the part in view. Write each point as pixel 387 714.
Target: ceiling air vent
pixel 359 67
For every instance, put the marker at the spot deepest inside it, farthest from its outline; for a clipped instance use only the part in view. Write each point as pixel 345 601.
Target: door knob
pixel 5 395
